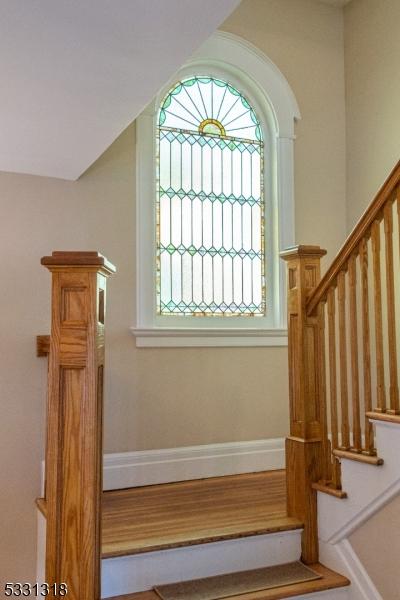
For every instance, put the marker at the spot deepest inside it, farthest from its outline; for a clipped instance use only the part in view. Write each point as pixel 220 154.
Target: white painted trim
pixel 368 511
pixel 162 337
pixel 240 54
pixel 224 55
pixel 342 558
pixel 148 467
pixel 141 572
pixel 357 573
pixel 336 594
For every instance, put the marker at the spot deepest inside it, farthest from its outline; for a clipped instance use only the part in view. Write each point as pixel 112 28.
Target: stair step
pixel 375 461
pixel 172 515
pixel 329 581
pixel 161 517
pixel 160 533
pixel 140 572
pixel 328 488
pixel 385 417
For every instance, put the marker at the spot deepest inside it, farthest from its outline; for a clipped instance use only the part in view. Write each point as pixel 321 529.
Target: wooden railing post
pixel 305 447
pixel 74 421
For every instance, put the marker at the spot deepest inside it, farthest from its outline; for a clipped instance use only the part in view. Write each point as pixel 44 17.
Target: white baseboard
pixel 148 467
pixel 342 558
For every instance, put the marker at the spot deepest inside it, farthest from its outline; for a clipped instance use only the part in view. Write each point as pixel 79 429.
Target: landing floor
pixel 179 514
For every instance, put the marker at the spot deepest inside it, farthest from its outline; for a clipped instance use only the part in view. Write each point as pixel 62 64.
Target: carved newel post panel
pixel 305 451
pixel 74 421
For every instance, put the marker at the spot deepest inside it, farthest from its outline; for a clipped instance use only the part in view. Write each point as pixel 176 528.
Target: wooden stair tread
pixel 330 580
pixel 386 417
pixel 328 488
pixel 206 535
pixel 158 517
pixel 359 457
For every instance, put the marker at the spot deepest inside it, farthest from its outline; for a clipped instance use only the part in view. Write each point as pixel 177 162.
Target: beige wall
pixel 377 544
pixel 157 397
pixel 305 40
pixel 372 50
pixel 154 398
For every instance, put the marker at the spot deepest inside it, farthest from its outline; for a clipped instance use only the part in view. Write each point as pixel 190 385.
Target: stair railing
pixel 343 361
pixel 73 480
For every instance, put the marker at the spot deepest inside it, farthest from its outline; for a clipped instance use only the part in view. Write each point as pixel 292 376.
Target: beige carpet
pixel 232 584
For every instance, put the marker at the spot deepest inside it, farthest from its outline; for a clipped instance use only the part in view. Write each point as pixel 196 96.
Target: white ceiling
pixel 75 73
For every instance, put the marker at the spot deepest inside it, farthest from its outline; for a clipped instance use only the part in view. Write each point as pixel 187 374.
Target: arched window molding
pixel 230 58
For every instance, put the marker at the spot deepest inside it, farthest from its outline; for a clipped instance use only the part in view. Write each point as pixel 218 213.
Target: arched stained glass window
pixel 210 206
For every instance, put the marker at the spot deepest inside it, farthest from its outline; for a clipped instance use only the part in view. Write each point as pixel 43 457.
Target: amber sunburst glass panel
pixel 210 208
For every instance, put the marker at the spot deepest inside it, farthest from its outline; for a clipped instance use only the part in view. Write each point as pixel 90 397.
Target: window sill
pixel 158 337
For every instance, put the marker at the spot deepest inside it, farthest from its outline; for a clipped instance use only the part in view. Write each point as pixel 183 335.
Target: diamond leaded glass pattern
pixel 210 209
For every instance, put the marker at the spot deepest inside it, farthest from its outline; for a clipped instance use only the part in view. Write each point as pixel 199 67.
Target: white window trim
pixel 222 55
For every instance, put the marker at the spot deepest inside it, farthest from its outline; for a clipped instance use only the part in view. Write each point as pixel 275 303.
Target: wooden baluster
pixel 305 447
pixel 75 428
pixel 380 371
pixel 332 368
pixel 369 438
pixel 321 361
pixel 391 311
pixel 344 399
pixel 355 385
pixel 336 478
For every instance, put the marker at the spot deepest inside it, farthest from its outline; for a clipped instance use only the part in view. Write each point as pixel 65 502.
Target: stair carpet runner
pixel 231 584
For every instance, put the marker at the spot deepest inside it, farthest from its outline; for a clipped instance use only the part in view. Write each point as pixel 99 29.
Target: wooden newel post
pixel 74 421
pixel 305 452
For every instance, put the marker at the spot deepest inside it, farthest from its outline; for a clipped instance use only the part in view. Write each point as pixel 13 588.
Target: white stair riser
pixel 369 488
pixel 141 572
pixel 339 594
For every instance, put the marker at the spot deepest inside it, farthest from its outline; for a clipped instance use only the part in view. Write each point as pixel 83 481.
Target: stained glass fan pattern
pixel 210 210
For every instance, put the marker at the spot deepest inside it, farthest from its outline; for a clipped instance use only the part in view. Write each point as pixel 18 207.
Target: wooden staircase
pixel 156 518
pixel 343 371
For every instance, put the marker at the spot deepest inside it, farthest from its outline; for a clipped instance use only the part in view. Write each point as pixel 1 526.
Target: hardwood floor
pixel 330 580
pixel 158 517
pixel 179 514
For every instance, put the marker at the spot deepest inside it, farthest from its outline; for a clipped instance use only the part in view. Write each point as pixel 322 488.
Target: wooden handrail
pixel 360 231
pixel 356 297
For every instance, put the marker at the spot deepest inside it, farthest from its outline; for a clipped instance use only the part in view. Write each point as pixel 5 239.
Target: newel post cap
pixel 80 259
pixel 302 252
